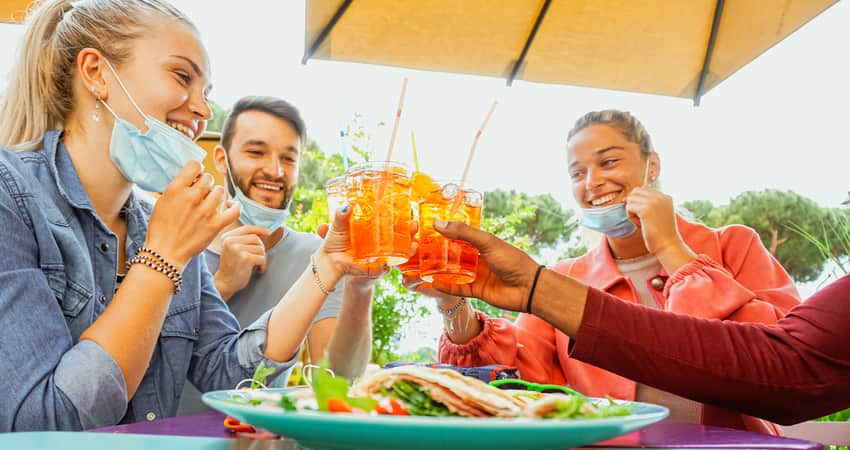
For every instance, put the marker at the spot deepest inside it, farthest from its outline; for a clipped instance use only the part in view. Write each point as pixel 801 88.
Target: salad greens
pixel 418 402
pixel 574 407
pixel 260 375
pixel 328 386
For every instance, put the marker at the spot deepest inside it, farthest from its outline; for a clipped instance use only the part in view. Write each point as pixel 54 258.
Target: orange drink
pixel 335 188
pixel 379 195
pixel 420 186
pixel 410 268
pixel 443 259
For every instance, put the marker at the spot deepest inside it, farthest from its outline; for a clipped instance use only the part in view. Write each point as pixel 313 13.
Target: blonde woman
pixel 105 309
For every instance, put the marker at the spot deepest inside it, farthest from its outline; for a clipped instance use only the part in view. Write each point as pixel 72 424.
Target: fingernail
pixel 440 223
pixel 345 209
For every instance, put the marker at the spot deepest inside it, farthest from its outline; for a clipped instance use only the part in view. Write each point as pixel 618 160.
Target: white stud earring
pixel 95 116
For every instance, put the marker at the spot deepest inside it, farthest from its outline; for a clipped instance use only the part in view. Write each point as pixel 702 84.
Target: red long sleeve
pixel 793 370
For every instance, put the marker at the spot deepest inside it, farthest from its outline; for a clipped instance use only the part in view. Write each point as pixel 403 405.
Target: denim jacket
pixel 58 274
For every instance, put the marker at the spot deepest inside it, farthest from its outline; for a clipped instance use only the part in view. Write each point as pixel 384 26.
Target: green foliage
pixel 531 222
pixel 261 373
pixel 831 239
pixel 393 308
pixel 699 209
pixel 219 114
pixel 840 416
pixel 770 213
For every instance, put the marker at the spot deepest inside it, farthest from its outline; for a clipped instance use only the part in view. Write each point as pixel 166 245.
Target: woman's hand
pixel 337 248
pixel 657 222
pixel 189 215
pixel 656 218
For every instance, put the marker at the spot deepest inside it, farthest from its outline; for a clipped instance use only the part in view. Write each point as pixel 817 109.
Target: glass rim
pixel 377 164
pixel 336 179
pixel 466 188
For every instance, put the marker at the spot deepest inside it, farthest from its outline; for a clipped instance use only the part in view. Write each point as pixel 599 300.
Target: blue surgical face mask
pixel 151 159
pixel 613 220
pixel 254 212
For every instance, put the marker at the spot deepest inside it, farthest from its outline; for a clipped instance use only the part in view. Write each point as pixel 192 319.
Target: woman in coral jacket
pixel 650 256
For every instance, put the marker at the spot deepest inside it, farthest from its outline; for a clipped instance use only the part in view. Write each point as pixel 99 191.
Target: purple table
pixel 663 435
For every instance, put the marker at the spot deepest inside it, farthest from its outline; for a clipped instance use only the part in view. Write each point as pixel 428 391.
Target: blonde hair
pixel 629 126
pixel 39 97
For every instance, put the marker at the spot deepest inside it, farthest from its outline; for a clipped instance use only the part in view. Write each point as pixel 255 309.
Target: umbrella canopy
pixel 680 48
pixel 13 11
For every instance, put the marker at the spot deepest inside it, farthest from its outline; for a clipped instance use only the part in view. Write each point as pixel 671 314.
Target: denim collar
pixel 71 188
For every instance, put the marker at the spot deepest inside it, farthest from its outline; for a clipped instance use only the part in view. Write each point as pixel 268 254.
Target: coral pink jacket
pixel 734 277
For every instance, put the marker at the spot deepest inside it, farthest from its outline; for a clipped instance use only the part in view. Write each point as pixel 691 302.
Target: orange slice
pixel 421 185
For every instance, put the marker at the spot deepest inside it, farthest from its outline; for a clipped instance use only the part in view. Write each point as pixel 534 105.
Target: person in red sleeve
pixel 793 370
pixel 650 256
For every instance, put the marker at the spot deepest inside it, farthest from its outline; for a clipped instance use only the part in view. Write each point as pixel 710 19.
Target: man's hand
pixel 504 275
pixel 242 249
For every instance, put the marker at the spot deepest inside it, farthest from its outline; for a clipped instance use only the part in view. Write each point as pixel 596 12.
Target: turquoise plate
pixel 320 430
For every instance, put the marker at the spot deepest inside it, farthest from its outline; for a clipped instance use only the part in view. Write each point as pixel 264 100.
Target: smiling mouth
pixel 188 132
pixel 268 187
pixel 603 200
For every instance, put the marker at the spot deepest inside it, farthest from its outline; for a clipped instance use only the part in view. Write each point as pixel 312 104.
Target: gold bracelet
pixel 316 276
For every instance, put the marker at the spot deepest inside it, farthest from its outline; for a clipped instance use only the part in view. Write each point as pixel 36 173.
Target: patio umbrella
pixel 13 11
pixel 680 48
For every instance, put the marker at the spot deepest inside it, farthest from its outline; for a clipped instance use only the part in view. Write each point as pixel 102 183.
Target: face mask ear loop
pixel 646 173
pixel 107 107
pixel 126 92
pixel 231 185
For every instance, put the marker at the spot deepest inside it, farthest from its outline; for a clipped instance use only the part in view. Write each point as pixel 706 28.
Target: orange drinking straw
pixel 397 119
pixel 475 143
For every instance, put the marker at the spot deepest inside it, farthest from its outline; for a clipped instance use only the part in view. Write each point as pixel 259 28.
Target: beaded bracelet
pixel 175 277
pixel 451 312
pixel 159 257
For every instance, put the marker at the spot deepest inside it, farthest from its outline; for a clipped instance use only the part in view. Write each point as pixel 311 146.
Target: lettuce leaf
pixel 418 402
pixel 328 386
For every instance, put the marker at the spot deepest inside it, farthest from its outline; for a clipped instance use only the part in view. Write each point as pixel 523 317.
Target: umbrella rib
pixel 326 31
pixel 528 41
pixel 715 24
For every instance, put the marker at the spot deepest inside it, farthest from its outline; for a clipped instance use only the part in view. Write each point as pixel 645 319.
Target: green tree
pixel 393 308
pixel 219 113
pixel 772 213
pixel 698 209
pixel 531 222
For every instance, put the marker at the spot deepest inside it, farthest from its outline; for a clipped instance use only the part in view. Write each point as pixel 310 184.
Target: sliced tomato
pixel 337 405
pixel 383 407
pixel 398 408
